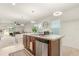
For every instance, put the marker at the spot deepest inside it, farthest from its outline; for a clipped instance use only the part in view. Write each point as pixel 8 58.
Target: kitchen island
pixel 42 45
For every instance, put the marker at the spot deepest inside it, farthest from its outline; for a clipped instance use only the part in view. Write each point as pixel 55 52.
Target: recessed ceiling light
pixel 14 24
pixel 13 4
pixel 33 11
pixel 57 13
pixel 10 27
pixel 33 22
pixel 22 24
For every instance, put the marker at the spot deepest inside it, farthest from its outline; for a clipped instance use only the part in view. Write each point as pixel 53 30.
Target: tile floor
pixel 66 51
pixel 7 50
pixel 69 51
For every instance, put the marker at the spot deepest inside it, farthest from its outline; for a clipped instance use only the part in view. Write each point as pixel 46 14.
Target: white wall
pixel 71 34
pixel 70 28
pixel 28 28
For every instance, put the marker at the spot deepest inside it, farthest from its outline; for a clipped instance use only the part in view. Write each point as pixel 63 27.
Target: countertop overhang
pixel 46 37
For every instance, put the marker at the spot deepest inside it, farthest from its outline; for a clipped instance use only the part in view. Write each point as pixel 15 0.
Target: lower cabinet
pixel 41 47
pixel 24 41
pixel 29 43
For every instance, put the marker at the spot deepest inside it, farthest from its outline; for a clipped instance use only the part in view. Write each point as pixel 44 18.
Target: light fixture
pixel 32 11
pixel 15 24
pixel 57 13
pixel 21 24
pixel 13 4
pixel 10 27
pixel 33 22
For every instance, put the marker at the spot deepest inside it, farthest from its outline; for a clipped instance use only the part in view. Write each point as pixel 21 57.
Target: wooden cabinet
pixel 42 47
pixel 54 48
pixel 29 43
pixel 24 41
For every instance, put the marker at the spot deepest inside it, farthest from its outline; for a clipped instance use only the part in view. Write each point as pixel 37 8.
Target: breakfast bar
pixel 42 45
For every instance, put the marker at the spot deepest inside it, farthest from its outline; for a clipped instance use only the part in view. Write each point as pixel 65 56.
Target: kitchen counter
pixel 46 37
pixel 42 45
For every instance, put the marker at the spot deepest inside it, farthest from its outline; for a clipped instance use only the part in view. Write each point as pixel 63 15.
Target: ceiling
pixel 24 12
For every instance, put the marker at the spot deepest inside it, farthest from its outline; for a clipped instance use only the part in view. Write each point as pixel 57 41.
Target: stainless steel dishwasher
pixel 41 48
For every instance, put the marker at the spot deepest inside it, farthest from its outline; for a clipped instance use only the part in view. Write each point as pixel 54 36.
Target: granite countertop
pixel 46 37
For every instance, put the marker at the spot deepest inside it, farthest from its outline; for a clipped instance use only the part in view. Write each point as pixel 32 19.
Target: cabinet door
pixel 32 44
pixel 54 48
pixel 27 42
pixel 24 41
